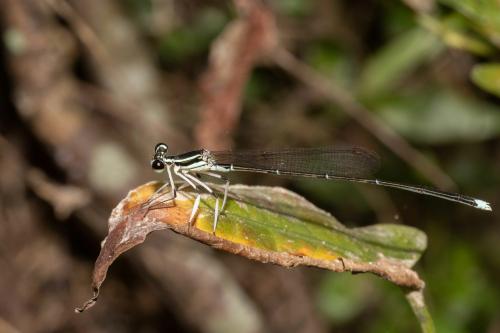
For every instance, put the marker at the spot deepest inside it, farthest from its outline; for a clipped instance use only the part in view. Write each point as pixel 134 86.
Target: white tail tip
pixel 480 204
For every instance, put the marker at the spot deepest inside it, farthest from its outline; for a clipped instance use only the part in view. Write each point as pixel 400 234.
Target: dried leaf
pixel 269 225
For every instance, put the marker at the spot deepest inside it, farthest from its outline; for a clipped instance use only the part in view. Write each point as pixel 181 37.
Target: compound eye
pixel 157 165
pixel 161 147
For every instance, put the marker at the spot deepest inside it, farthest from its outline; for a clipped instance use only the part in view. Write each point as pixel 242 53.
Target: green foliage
pixel 440 116
pixel 473 26
pixel 342 298
pixel 460 290
pixel 483 15
pixel 403 54
pixel 188 41
pixel 487 76
pixel 331 60
pixel 453 31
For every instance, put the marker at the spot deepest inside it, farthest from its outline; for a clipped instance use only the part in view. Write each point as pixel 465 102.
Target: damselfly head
pixel 157 163
pixel 161 148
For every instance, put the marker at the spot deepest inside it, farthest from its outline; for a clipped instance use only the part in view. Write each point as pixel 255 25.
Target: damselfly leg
pixel 198 181
pixel 192 181
pixel 217 212
pixel 187 178
pixel 196 205
pixel 154 203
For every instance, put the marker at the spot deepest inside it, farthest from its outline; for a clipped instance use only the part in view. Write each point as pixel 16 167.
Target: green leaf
pixel 453 32
pixel 483 14
pixel 487 76
pixel 440 116
pixel 397 59
pixel 331 60
pixel 280 220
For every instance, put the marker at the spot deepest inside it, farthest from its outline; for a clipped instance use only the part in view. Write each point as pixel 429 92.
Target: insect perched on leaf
pixel 347 163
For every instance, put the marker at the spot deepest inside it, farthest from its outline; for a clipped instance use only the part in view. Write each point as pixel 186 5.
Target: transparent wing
pixel 342 161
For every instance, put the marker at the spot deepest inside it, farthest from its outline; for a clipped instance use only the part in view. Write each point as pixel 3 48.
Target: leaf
pixel 487 76
pixel 269 225
pixel 440 116
pixel 396 59
pixel 482 13
pixel 331 60
pixel 453 32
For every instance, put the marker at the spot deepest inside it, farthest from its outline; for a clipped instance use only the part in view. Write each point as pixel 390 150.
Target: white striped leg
pixel 171 180
pixel 226 186
pixel 173 193
pixel 157 201
pixel 216 216
pixel 198 181
pixel 183 177
pixel 216 209
pixel 183 186
pixel 158 193
pixel 196 205
pixel 195 208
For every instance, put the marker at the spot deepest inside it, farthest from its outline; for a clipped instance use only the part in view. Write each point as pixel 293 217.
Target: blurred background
pixel 87 88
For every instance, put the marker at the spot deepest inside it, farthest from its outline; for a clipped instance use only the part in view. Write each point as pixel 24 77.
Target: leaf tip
pixel 90 303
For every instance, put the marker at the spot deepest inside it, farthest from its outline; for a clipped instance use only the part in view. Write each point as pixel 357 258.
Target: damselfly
pixel 345 163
